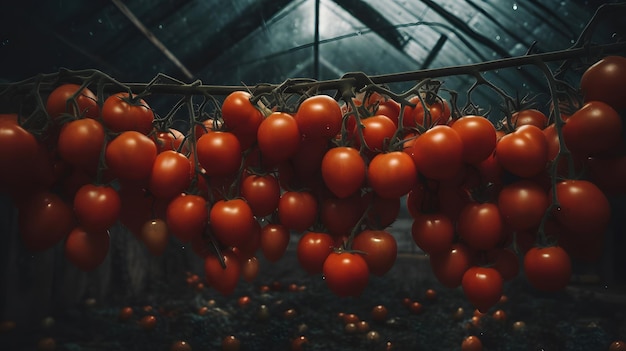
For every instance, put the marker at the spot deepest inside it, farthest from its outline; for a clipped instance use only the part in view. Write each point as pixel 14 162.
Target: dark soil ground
pixel 584 317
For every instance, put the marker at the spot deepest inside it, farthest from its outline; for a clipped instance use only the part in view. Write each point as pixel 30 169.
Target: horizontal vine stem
pixel 351 78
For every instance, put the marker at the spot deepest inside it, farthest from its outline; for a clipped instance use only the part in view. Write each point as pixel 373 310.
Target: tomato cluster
pixel 480 194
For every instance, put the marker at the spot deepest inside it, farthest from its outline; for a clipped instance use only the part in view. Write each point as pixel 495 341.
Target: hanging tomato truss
pixel 332 160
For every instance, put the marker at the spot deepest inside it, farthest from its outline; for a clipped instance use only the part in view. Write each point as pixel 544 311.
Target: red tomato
pixel 131 156
pixel 480 226
pixel 250 269
pixel 529 117
pixel 312 251
pixel 232 222
pixel 548 268
pixel 44 219
pixel 223 279
pixel 377 132
pixel 392 174
pixel 262 193
pixel 297 210
pixel 170 174
pixel 339 216
pixel 319 116
pixel 250 246
pixel 187 216
pixel 343 171
pixel 471 343
pixel 171 139
pixel 241 117
pixel 594 128
pixel 346 273
pixel 438 153
pixel 97 207
pixel 219 153
pixel 123 112
pixel 278 137
pixel 84 105
pixel 390 109
pixel 274 241
pixel 449 267
pixel 483 287
pixel 380 248
pixel 17 148
pixel 478 136
pixel 433 232
pixel 606 81
pixel 87 249
pixel 523 204
pixel 416 116
pixel 155 235
pixel 523 152
pixel 583 208
pixel 80 143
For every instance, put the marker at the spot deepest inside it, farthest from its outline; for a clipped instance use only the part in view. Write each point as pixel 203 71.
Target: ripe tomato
pixel 319 116
pixel 392 174
pixel 594 128
pixel 170 174
pixel 471 343
pixel 59 102
pixel 17 148
pixel 390 109
pixel 312 251
pixel 380 248
pixel 377 132
pixel 187 216
pixel 339 216
pixel 483 287
pixel 170 140
pixel 274 241
pixel 278 137
pixel 432 232
pixel 250 246
pixel 438 153
pixel 547 268
pixel 480 225
pixel 529 117
pixel 155 235
pixel 478 136
pixel 97 207
pixel 416 116
pixel 583 208
pixel 44 219
pixel 606 81
pixel 87 249
pixel 522 204
pixel 241 117
pixel 523 152
pixel 223 279
pixel 232 222
pixel 131 155
pixel 250 269
pixel 297 210
pixel 262 193
pixel 343 171
pixel 219 153
pixel 346 273
pixel 80 143
pixel 449 267
pixel 123 112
